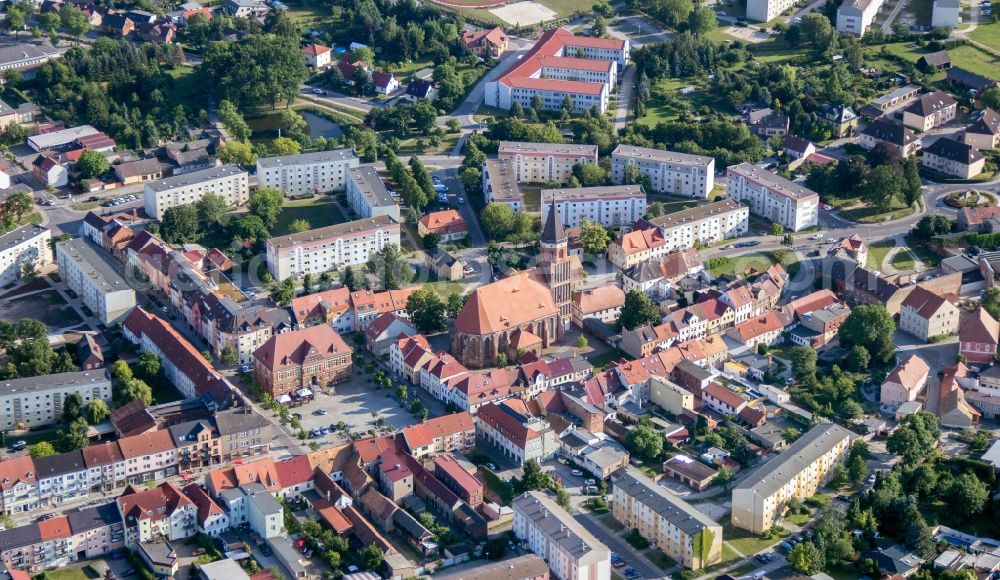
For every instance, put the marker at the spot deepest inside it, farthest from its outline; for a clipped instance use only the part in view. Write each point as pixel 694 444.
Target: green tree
pixel 372 557
pixel 73 20
pixel 777 229
pixel 233 121
pixel 858 358
pixel 49 22
pixel 265 203
pixel 72 406
pixel 591 174
pixel 872 327
pixel 991 98
pixel 298 226
pixel 581 342
pixel 638 310
pixel 238 152
pixel 702 20
pixel 212 209
pixel 803 363
pixel 92 164
pixel 348 279
pixel 284 292
pixel 389 267
pixel 426 310
pixel 991 301
pixel 74 437
pixel 594 237
pixel 911 181
pixel 471 178
pixel 148 366
pixel 817 30
pixel 883 185
pixel 257 70
pixel 41 449
pixel 228 355
pixel 805 557
pixel 180 224
pixel 563 499
pixel 916 436
pixel 644 441
pixel 97 412
pixel 284 146
pixel 455 304
pixel 968 494
pixel 534 478
pixel 251 228
pixel 498 220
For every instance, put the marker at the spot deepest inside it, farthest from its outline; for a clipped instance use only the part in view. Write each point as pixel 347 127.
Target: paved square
pixel 524 13
pixel 353 403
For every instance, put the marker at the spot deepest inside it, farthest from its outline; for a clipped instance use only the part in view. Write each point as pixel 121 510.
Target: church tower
pixel 554 262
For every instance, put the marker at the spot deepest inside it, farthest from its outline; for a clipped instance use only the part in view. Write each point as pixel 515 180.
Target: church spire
pixel 553 232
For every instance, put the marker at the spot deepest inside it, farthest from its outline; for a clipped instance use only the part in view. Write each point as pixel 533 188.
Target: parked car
pixel 577 473
pixel 19 445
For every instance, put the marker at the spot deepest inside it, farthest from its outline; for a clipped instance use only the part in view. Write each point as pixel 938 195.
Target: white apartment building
pixel 92 275
pixel 324 249
pixel 61 477
pixel 500 183
pixel 855 16
pixel 228 181
pixel 668 171
pixel 683 533
pixel 765 10
pixel 544 162
pixel 29 244
pixel 610 206
pixel 797 473
pixel 35 401
pixel 570 550
pixel 773 197
pixel 307 173
pixel 367 195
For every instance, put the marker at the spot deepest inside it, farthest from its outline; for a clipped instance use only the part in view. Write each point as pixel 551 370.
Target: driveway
pixel 618 545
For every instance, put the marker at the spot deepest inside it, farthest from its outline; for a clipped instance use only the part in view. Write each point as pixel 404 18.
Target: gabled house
pixel 883 130
pixel 485 43
pixel 927 315
pixel 978 336
pixel 841 119
pixel 385 331
pixel 983 131
pixel 317 55
pixel 161 513
pixel 929 111
pixel 954 159
pixel 385 82
pixel 905 382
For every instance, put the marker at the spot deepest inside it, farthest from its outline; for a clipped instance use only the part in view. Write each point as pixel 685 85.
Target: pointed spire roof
pixel 553 231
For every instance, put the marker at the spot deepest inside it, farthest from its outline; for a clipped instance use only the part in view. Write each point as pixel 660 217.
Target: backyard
pixel 319 212
pixel 988 34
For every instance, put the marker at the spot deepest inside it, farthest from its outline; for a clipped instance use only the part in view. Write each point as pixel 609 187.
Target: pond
pixel 321 126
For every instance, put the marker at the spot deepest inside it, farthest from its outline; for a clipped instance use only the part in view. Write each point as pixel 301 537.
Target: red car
pixel 300 542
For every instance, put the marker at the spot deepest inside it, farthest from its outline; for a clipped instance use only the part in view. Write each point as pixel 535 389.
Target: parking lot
pixel 359 404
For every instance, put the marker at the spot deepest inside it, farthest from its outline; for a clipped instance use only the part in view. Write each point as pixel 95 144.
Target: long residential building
pixel 90 532
pixel 307 173
pixel 668 171
pixel 683 533
pixel 773 197
pixel 553 72
pixel 766 10
pixel 610 206
pixel 797 473
pixel 96 279
pixel 572 552
pixel 545 162
pixel 333 247
pixel 500 183
pixel 682 230
pixel 33 401
pixel 25 245
pixel 367 194
pixel 228 181
pixel 855 16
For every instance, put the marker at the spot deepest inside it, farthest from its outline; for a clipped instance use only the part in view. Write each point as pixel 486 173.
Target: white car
pixel 816 237
pixel 577 473
pixel 721 13
pixel 318 92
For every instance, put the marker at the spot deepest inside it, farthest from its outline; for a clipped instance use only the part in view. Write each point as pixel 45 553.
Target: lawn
pixel 865 214
pixel 722 265
pixel 922 250
pixel 746 542
pixel 411 147
pixel 444 288
pixel 85 206
pixel 877 252
pixel 80 573
pixel 188 87
pixel 988 34
pixel 532 197
pixel 975 60
pixel 666 102
pixel 602 360
pixel 729 557
pixel 318 212
pixel 799 519
pixel 31 218
pixel 903 260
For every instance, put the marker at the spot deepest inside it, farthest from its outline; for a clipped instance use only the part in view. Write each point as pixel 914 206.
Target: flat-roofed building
pixel 610 206
pixel 228 181
pixel 765 10
pixel 855 16
pixel 500 183
pixel 545 162
pixel 25 245
pixel 668 171
pixel 797 473
pixel 35 401
pixel 773 197
pixel 91 274
pixel 897 97
pixel 324 249
pixel 367 194
pixel 317 172
pixel 671 524
pixel 572 552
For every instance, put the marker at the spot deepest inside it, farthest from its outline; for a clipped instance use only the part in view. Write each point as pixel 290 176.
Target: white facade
pixel 544 162
pixel 324 249
pixel 571 552
pixel 668 172
pixel 773 197
pixel 28 243
pixel 946 14
pixel 855 16
pixel 228 181
pixel 765 10
pixel 609 206
pixel 367 195
pixel 37 401
pixel 98 282
pixel 500 183
pixel 308 173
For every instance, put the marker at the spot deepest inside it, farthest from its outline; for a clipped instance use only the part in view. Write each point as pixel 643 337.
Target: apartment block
pixel 773 197
pixel 330 248
pixel 26 244
pixel 668 171
pixel 610 206
pixel 307 173
pixel 765 10
pixel 683 533
pixel 572 552
pixel 682 230
pixel 96 279
pixel 228 181
pixel 797 473
pixel 500 183
pixel 544 162
pixel 35 401
pixel 367 194
pixel 855 16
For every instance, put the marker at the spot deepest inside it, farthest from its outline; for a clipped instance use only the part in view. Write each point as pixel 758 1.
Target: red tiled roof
pixel 293 471
pixel 444 222
pixel 424 434
pixel 979 327
pixel 102 454
pixel 448 464
pixel 311 305
pixel 153 504
pixel 333 517
pixel 146 444
pixel 315 50
pixel 174 347
pixel 812 302
pixel 925 302
pixel 521 74
pixel 726 396
pixel 206 506
pixel 768 322
pixel 290 349
pixel 909 373
pixel 54 528
pixel 509 427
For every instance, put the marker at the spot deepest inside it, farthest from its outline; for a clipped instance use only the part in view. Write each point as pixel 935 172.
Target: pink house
pixel 978 336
